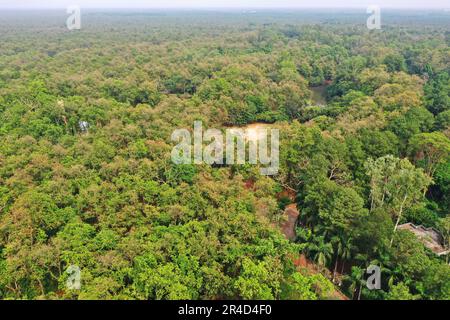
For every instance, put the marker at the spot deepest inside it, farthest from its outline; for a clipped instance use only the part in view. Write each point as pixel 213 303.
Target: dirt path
pixel 288 227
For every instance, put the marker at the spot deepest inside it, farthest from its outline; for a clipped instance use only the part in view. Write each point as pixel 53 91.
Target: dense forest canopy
pixel 86 177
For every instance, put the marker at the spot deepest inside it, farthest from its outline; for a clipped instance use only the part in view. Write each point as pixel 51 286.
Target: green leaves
pixel 430 149
pixel 153 279
pixel 400 291
pixel 395 184
pixel 333 207
pixel 107 197
pixel 258 281
pixel 308 287
pixel 437 93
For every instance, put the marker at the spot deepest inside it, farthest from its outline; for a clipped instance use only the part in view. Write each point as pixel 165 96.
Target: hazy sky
pixel 412 4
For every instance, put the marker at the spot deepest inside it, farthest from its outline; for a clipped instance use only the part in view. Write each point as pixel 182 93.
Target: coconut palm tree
pixel 346 252
pixel 323 252
pixel 343 249
pixel 356 279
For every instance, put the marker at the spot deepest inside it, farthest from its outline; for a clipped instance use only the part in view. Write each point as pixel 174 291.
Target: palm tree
pixel 323 252
pixel 338 250
pixel 346 252
pixel 343 251
pixel 357 280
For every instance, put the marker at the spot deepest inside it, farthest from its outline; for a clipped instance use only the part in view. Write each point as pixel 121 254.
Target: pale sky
pixel 407 4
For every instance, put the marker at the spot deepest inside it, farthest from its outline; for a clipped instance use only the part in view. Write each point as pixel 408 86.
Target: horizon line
pixel 222 7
